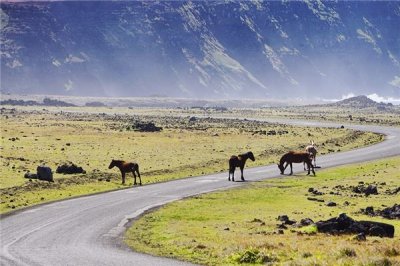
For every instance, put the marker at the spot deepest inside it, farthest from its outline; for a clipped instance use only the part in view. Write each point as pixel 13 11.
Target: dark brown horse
pixel 126 167
pixel 295 157
pixel 239 161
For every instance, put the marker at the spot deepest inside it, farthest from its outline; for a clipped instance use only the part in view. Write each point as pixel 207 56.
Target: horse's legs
pixel 291 169
pixel 140 179
pixel 233 173
pixel 311 166
pixel 241 171
pixel 134 176
pixel 304 166
pixel 123 177
pixel 286 166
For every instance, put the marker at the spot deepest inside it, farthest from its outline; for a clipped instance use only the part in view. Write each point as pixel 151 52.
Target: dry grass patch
pixel 90 138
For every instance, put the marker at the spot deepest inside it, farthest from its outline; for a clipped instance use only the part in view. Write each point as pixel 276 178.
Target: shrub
pixel 347 252
pixel 253 256
pixel 391 252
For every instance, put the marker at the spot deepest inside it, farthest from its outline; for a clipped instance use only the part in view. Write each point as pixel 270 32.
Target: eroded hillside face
pixel 201 49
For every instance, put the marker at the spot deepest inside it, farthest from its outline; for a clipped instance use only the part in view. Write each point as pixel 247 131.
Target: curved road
pixel 88 230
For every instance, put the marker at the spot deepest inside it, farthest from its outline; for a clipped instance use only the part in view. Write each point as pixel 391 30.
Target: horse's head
pixel 251 156
pixel 281 168
pixel 112 164
pixel 313 144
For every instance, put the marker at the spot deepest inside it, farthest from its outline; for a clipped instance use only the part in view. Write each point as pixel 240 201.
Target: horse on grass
pixel 295 157
pixel 239 161
pixel 312 150
pixel 126 167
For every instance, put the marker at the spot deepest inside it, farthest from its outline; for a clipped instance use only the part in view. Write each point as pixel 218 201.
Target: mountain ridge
pixel 217 49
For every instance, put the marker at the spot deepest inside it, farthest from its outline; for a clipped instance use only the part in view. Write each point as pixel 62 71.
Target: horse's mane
pixel 245 154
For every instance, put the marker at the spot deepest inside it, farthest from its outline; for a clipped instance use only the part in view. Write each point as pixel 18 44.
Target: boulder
pixel 44 173
pixel 371 189
pixel 29 175
pixel 306 222
pixel 146 127
pixel 390 212
pixel 69 168
pixel 285 220
pixel 346 225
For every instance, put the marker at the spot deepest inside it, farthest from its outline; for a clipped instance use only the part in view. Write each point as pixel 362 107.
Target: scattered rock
pixel 388 213
pixel 306 222
pixel 371 189
pixel 281 226
pixel 391 212
pixel 346 225
pixel 394 192
pixel 315 192
pixel 256 220
pixel 315 199
pixel 331 204
pixel 146 127
pixel 285 220
pixel 69 168
pixel 369 210
pixel 362 189
pixel 30 175
pixel 44 173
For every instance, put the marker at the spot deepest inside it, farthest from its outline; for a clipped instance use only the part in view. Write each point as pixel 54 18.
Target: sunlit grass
pixel 32 136
pixel 224 227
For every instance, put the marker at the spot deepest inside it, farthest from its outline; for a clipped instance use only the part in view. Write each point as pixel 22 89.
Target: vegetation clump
pixel 347 252
pixel 253 256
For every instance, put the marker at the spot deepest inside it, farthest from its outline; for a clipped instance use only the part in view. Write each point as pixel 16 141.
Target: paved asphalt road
pixel 88 230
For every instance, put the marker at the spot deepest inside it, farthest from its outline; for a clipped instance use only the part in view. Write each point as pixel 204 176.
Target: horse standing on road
pixel 239 161
pixel 126 167
pixel 312 150
pixel 295 157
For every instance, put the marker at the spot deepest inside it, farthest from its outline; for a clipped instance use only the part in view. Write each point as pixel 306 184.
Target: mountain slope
pixel 211 49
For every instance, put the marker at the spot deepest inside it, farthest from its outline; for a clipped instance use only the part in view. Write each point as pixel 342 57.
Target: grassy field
pixel 240 225
pixel 90 138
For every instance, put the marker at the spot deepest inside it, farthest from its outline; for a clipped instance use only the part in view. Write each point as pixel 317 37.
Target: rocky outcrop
pixel 44 173
pixel 346 225
pixel 69 168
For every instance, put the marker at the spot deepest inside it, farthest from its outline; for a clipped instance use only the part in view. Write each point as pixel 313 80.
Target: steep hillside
pixel 211 49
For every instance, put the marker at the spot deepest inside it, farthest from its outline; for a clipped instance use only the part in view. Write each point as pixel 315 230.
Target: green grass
pixel 182 149
pixel 240 225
